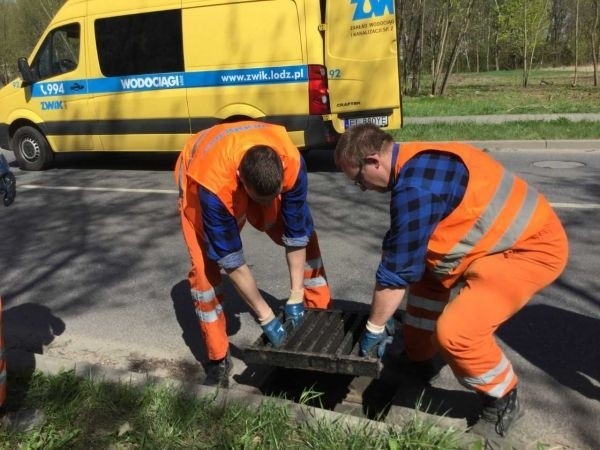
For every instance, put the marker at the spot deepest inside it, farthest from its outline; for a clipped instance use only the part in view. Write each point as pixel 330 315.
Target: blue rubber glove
pixel 274 332
pixel 294 313
pixel 375 343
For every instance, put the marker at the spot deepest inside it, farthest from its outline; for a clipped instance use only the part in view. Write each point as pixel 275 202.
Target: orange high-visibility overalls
pixel 485 260
pixel 211 159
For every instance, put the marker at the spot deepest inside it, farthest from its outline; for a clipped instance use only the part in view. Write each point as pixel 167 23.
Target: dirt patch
pixel 179 370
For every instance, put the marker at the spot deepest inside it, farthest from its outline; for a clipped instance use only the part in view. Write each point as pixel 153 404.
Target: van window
pixel 59 53
pixel 140 43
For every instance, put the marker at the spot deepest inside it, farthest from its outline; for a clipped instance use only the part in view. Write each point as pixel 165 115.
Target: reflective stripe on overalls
pixel 208 307
pixel 487 221
pixel 316 290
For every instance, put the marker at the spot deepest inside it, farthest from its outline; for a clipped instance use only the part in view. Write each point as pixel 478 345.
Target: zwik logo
pixel 377 9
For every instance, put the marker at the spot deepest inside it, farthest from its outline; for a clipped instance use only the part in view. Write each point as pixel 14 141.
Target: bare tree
pixel 574 83
pixel 411 16
pixel 457 44
pixel 594 20
pixel 523 24
pixel 450 24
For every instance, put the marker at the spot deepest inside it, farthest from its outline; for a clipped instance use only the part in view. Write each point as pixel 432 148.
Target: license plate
pixel 380 121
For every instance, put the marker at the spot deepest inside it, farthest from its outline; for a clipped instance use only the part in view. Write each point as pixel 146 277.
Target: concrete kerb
pixel 502 118
pixel 49 365
pixel 538 145
pixel 21 360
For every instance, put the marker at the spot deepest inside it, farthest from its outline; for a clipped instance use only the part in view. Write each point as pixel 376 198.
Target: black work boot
pixel 499 414
pixel 217 372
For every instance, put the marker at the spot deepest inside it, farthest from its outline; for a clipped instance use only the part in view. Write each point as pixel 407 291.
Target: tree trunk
pixel 416 57
pixel 525 45
pixel 439 56
pixel 595 44
pixel 576 42
pixel 457 44
pixel 487 48
pixel 418 61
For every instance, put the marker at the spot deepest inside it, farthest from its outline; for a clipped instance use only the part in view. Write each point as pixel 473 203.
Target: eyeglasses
pixel 358 179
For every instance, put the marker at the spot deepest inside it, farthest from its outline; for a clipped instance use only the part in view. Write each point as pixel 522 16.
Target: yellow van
pixel 142 75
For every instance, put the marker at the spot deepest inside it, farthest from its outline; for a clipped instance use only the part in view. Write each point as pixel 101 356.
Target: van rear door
pixel 361 56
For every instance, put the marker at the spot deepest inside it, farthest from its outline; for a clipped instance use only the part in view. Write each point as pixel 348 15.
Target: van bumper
pixel 319 134
pixel 4 136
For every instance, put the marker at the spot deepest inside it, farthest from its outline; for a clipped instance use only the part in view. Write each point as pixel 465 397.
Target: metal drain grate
pixel 325 341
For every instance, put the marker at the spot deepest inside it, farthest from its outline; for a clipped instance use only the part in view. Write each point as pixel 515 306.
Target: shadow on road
pixel 156 161
pixel 187 319
pixel 185 313
pixel 27 328
pixel 320 161
pixel 316 161
pixel 564 344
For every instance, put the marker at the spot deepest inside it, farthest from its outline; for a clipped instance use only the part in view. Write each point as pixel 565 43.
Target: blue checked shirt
pixel 428 188
pixel 222 236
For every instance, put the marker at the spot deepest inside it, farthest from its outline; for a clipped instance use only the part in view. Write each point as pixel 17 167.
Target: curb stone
pixel 503 118
pixel 398 416
pixel 50 365
pixel 539 145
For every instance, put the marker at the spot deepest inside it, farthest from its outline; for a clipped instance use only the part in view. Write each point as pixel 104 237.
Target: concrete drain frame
pixel 558 164
pixel 325 341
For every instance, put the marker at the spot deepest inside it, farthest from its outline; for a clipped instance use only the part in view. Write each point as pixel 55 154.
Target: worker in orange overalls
pixel 227 175
pixel 470 242
pixel 8 191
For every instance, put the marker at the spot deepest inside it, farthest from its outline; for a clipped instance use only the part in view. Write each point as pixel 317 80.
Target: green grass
pixel 549 91
pixel 525 130
pixel 83 414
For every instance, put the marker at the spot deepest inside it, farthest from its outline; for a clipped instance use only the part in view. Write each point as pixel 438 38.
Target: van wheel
pixel 31 149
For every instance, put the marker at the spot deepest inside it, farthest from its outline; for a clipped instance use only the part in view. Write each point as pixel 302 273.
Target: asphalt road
pixel 93 268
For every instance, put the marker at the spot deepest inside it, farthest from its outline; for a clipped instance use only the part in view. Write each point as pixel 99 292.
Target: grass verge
pixel 85 414
pixel 525 130
pixel 549 91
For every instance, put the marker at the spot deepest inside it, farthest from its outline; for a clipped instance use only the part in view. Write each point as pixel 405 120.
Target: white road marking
pixel 576 205
pixel 175 191
pixel 98 189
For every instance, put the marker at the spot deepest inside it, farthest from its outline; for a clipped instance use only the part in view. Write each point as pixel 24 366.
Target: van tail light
pixel 318 93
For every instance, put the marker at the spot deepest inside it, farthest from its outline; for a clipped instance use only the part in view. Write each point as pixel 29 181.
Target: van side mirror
pixel 25 71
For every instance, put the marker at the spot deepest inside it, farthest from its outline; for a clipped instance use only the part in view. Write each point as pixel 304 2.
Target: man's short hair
pixel 358 142
pixel 262 170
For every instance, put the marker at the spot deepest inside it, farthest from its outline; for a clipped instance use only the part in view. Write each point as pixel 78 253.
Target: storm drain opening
pixel 558 164
pixel 325 341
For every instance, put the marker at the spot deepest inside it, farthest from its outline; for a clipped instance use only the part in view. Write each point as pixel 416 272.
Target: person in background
pixel 227 175
pixel 8 192
pixel 470 243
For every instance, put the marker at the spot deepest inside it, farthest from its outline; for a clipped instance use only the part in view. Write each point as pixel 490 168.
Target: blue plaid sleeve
pixel 427 189
pixel 221 233
pixel 297 219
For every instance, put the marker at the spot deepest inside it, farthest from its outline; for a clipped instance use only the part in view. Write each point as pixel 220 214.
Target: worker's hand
pixel 8 184
pixel 294 307
pixel 374 343
pixel 274 332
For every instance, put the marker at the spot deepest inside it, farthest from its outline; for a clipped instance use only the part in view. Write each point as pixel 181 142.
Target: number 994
pixel 52 88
